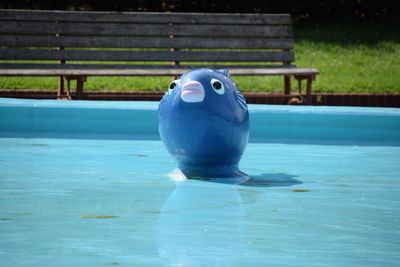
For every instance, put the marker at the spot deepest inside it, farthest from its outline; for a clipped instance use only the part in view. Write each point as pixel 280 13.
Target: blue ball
pixel 204 124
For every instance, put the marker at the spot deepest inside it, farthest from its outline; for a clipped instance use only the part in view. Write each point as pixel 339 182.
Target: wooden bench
pixel 75 45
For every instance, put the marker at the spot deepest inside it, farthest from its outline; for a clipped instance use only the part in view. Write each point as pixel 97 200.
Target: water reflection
pixel 202 222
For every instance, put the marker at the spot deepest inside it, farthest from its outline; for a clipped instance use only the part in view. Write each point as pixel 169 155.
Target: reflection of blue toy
pixel 204 124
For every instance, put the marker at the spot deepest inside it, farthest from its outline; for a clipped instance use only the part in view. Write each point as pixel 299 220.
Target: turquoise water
pixel 73 198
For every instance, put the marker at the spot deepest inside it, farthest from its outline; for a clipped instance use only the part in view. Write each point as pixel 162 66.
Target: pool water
pixel 83 200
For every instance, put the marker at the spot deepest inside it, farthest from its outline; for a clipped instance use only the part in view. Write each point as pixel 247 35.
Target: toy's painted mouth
pixel 192 92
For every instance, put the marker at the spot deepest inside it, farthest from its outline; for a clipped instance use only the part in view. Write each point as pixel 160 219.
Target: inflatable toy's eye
pixel 218 86
pixel 173 85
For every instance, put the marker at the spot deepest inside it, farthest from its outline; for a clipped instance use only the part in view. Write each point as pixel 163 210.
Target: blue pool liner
pixel 138 120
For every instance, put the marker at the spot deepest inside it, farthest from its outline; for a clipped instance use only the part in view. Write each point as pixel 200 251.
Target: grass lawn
pixel 351 56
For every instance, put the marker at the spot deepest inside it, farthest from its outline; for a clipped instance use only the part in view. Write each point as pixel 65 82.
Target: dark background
pixel 301 10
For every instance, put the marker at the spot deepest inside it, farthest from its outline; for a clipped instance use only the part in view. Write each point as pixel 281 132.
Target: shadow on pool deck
pixel 262 180
pixel 272 180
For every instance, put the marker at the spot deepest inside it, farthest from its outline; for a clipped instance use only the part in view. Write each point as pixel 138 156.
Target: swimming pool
pixel 86 184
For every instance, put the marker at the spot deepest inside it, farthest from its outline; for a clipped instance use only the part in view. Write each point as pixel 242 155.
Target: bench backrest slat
pixel 114 29
pixel 157 37
pixel 143 42
pixel 146 17
pixel 104 55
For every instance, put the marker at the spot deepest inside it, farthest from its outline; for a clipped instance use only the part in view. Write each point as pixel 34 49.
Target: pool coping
pixel 329 99
pixel 153 105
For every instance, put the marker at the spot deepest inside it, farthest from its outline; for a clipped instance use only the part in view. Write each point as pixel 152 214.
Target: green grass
pixel 351 56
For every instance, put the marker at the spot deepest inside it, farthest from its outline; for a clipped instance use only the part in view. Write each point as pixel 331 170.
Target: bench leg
pixel 60 91
pixel 287 84
pixel 309 80
pixel 80 80
pixel 69 96
pixel 309 91
pixel 79 86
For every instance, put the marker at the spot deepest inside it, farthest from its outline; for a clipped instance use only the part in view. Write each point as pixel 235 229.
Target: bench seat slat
pixel 114 29
pixel 146 17
pixel 144 42
pixel 149 72
pixel 127 55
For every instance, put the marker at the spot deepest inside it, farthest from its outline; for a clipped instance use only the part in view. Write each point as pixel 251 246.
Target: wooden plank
pixel 92 72
pixel 138 66
pixel 115 29
pixel 24 65
pixel 127 55
pixel 277 71
pixel 143 42
pixel 148 72
pixel 146 17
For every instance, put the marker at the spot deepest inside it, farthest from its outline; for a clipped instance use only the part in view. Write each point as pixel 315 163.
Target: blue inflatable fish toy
pixel 204 124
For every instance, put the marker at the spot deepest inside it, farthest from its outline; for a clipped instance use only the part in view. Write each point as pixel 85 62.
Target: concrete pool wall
pixel 138 120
